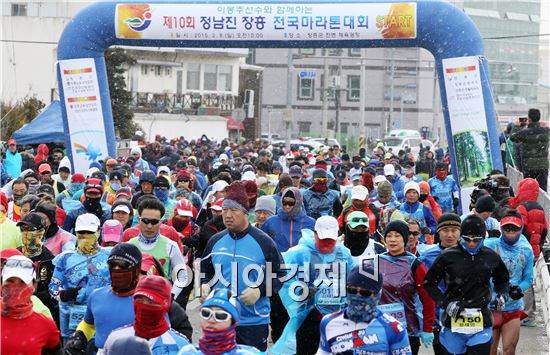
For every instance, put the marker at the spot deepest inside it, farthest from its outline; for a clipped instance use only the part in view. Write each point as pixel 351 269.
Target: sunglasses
pixel 359 291
pixel 358 220
pixel 183 180
pixel 152 221
pixel 320 180
pixel 23 264
pixel 289 203
pixel 27 228
pixel 161 188
pixel 510 228
pixel 219 315
pixel 416 234
pixel 468 239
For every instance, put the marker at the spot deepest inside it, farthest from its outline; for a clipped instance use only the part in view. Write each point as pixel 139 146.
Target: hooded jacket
pixel 286 228
pixel 42 154
pixel 534 146
pixel 64 163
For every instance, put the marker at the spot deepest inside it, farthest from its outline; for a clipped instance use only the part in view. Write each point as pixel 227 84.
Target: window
pixel 307 51
pixel 210 77
pixel 158 70
pixel 335 52
pixel 224 77
pixel 306 88
pixel 304 127
pixel 193 76
pixel 168 71
pixel 144 69
pixel 218 77
pixel 354 87
pixel 344 127
pixel 18 10
pixel 355 52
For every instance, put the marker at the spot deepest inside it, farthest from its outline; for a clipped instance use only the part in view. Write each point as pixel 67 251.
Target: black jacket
pixel 467 279
pixel 534 146
pixel 179 321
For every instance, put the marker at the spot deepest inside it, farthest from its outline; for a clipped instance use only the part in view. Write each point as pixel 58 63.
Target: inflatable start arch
pixel 437 26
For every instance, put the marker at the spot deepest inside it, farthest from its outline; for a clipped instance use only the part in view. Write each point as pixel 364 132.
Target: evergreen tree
pixel 14 116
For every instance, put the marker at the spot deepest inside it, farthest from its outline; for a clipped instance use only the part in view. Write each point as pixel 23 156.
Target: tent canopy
pixel 47 127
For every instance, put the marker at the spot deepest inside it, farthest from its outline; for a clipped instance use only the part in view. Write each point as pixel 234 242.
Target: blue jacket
pixel 286 232
pixel 518 259
pixel 321 204
pixel 421 213
pixel 444 192
pixel 227 252
pixel 13 164
pixel 70 220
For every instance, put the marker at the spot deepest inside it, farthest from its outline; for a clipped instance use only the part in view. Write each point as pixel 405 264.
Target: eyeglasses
pixel 289 203
pixel 416 233
pixel 510 228
pixel 22 264
pixel 359 291
pixel 358 220
pixel 219 315
pixel 152 221
pixel 320 180
pixel 469 239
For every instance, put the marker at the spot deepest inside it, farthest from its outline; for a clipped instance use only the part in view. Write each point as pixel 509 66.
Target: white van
pixel 398 139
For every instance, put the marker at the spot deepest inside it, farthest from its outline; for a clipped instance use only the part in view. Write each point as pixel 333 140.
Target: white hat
pixel 87 222
pixel 91 171
pixel 327 227
pixel 379 179
pixel 411 185
pixel 249 175
pixel 135 150
pixel 224 157
pixel 163 169
pixel 261 181
pixel 219 185
pixel 359 192
pixel 18 266
pixel 122 207
pixel 389 169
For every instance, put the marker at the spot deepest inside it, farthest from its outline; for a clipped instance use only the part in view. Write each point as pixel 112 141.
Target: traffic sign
pixel 238 114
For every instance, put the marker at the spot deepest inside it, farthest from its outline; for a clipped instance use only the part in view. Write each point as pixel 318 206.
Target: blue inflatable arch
pixel 441 28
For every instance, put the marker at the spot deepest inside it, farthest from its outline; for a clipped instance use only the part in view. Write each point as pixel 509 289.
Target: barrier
pixel 516 176
pixel 542 283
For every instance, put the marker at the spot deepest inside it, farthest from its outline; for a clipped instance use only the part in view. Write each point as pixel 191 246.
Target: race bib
pixel 326 302
pixel 470 321
pixel 76 314
pixel 396 310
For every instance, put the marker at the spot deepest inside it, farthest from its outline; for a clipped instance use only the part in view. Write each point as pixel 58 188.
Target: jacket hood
pixel 296 195
pixel 43 149
pixel 65 163
pixel 528 190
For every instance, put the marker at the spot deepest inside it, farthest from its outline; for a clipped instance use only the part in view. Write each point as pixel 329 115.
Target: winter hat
pixel 112 231
pixel 78 178
pixel 411 185
pixel 425 186
pixel 136 150
pixel 385 189
pixel 126 252
pixel 161 182
pixel 366 278
pixel 222 298
pixel 65 165
pixel 266 203
pixel 116 174
pixel 319 173
pixel 473 225
pixel 183 174
pixel 485 204
pixel 124 191
pixel 512 217
pixel 448 220
pixel 236 197
pixel 130 345
pixel 400 227
pixel 248 176
pixel 219 185
pixel 156 289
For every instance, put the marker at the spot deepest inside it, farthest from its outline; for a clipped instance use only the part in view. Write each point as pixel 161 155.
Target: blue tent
pixel 47 127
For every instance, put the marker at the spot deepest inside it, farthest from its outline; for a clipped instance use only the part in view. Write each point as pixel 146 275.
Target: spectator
pixel 13 161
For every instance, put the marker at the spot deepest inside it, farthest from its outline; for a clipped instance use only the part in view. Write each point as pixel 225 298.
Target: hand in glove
pixel 250 296
pixel 205 291
pixel 453 309
pixel 69 295
pixel 76 344
pixel 427 338
pixel 515 293
pixel 208 199
pixel 498 303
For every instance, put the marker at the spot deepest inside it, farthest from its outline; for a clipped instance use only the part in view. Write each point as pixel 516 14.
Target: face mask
pixel 214 341
pixel 468 250
pixel 361 309
pixel 94 201
pixel 87 243
pixel 409 174
pixel 320 186
pixel 17 198
pixel 356 165
pixel 441 174
pixel 16 300
pixel 161 194
pixel 32 242
pixel 325 246
pixel 180 223
pixel 123 282
pixel 356 242
pixel 422 197
pixel 150 321
pixel 359 204
pixel 115 186
pixel 33 188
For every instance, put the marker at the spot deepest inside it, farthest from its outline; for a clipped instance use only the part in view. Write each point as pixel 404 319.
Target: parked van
pixel 398 139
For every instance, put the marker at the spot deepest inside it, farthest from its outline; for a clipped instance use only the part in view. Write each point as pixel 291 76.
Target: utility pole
pixel 287 116
pixel 324 95
pixel 337 98
pixel 392 75
pixel 362 96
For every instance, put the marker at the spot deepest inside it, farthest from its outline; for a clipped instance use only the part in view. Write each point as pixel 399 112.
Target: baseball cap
pixel 511 219
pixel 32 220
pixel 12 142
pixel 359 192
pixel 184 208
pixel 18 266
pixel 295 171
pixel 327 227
pixel 219 185
pixel 121 207
pixel 78 178
pixel 217 206
pixel 357 218
pixel 44 168
pixel 249 175
pixel 379 179
pixel 163 169
pixel 94 185
pixel 112 230
pixel 224 157
pixel 389 169
pixel 356 176
pixel 87 222
pixel 124 191
pixel 111 162
pixel 116 174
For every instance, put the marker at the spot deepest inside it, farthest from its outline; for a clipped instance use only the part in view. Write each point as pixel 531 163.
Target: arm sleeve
pixel 86 328
pixel 527 275
pixel 430 220
pixel 432 279
pixel 428 304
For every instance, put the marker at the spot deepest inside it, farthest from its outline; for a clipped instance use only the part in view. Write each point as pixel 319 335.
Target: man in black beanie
pixel 485 205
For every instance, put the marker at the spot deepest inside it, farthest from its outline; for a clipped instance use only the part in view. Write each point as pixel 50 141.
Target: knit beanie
pixel 365 278
pixel 266 203
pixel 400 227
pixel 411 185
pixel 473 225
pixel 223 299
pixel 126 252
pixel 319 173
pixel 251 187
pixel 485 204
pixel 156 289
pixel 448 220
pixel 384 189
pixel 235 197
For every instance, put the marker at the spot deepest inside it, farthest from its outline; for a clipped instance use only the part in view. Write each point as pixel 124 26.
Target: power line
pixel 32 42
pixel 519 36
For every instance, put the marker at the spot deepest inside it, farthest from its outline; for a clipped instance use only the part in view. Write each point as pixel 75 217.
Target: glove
pixel 455 203
pixel 427 338
pixel 426 230
pixel 453 309
pixel 498 303
pixel 76 344
pixel 250 296
pixel 205 291
pixel 69 295
pixel 515 293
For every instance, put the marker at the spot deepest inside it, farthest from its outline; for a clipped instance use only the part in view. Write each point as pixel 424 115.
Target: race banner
pixel 468 122
pixel 84 112
pixel 266 21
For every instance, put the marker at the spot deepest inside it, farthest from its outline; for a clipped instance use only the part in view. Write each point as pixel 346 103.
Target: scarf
pixel 51 231
pixel 16 300
pixel 86 243
pixel 472 252
pixel 150 321
pixel 31 242
pixel 146 240
pixel 218 341
pixel 361 309
pixel 93 206
pixel 356 242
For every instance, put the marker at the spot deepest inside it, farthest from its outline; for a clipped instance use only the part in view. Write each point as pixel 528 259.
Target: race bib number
pixel 470 321
pixel 76 314
pixel 326 302
pixel 396 310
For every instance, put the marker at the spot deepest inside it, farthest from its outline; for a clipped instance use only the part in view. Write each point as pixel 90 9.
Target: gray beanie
pixel 266 203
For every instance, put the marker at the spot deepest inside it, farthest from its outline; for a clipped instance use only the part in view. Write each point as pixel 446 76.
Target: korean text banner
pixel 266 21
pixel 84 112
